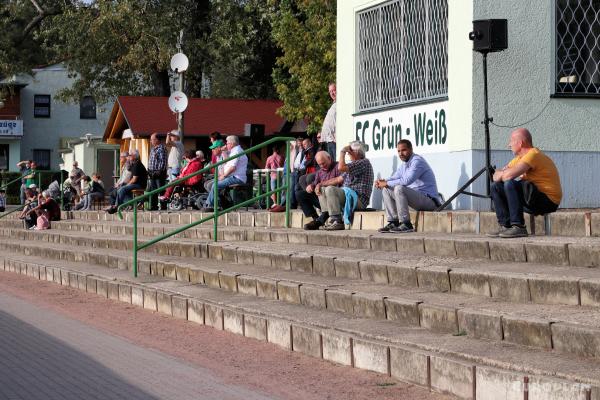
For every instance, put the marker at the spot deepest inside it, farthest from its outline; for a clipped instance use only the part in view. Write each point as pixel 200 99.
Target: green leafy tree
pixel 305 30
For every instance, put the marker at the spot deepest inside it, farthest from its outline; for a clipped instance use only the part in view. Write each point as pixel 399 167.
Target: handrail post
pixel 268 183
pixel 288 197
pixel 277 186
pixel 215 203
pixel 259 185
pixel 135 241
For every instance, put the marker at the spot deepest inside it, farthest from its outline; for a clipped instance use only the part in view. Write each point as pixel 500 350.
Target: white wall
pixel 44 133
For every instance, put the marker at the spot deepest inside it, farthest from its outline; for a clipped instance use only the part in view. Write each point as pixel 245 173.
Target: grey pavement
pixel 44 355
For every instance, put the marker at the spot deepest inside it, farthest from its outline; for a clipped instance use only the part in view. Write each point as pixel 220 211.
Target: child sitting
pixel 42 220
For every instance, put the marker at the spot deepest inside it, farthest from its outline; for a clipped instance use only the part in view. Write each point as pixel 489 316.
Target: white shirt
pixel 175 155
pixel 240 163
pixel 328 129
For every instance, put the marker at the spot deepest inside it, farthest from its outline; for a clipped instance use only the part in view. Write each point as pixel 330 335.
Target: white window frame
pixel 392 91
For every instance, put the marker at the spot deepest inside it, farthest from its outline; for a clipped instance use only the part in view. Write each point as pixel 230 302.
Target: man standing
pixel 412 185
pixel 328 128
pixel 530 181
pixel 175 154
pixel 24 170
pixel 233 173
pixel 76 177
pixel 357 178
pixel 157 168
pixel 327 175
pixel 139 180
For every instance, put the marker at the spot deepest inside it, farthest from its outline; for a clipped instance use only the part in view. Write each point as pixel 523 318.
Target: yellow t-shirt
pixel 543 173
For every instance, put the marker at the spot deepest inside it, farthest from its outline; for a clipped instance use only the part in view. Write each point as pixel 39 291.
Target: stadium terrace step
pixel 465 367
pixel 256 269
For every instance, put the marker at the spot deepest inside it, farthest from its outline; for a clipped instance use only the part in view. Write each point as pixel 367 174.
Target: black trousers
pixel 155 183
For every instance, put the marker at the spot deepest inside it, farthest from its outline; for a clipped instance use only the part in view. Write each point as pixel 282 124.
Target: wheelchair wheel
pixel 176 204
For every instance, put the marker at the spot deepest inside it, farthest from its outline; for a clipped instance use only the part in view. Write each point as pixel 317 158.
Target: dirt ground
pixel 234 359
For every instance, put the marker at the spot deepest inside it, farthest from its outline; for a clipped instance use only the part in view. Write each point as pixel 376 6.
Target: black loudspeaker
pixel 489 35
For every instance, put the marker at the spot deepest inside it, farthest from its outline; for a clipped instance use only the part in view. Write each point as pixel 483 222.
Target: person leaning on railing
pixel 234 171
pixel 139 179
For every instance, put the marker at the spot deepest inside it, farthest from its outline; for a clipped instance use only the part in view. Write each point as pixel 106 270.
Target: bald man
pixel 529 182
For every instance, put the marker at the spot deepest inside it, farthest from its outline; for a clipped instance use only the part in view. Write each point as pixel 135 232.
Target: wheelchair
pixel 184 197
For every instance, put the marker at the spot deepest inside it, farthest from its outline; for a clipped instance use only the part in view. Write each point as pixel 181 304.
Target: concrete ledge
pixel 493 384
pixel 434 277
pixel 480 324
pixel 405 312
pixel 528 332
pixel 375 271
pixel 323 265
pixel 125 293
pixel 571 338
pixel 440 247
pixel 337 348
pixel 301 263
pixel 289 292
pixel 150 301
pixel 228 281
pixel 470 282
pixel 402 275
pixel 113 289
pixel 307 341
pixel 438 318
pixel 233 322
pixel 514 288
pixel 267 288
pixel 581 255
pixel 164 302
pixel 213 316
pixel 279 332
pixel 102 288
pixel 590 292
pixel 547 253
pixel 137 296
pixel 368 305
pixel 554 290
pixel 409 366
pixel 246 285
pixel 195 311
pixel 313 296
pixel 507 251
pixel 347 268
pixel 452 377
pixel 371 356
pixel 339 300
pixel 255 327
pixel 179 307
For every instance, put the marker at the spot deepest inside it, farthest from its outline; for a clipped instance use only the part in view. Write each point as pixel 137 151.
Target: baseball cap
pixel 33 186
pixel 217 143
pixel 174 133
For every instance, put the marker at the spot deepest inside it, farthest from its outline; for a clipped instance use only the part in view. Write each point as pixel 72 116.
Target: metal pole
pixel 288 180
pixel 216 203
pixel 278 185
pixel 486 122
pixel 259 186
pixel 135 241
pixel 268 179
pixel 180 115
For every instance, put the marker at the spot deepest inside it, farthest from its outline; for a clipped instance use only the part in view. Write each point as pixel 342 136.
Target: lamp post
pixel 178 100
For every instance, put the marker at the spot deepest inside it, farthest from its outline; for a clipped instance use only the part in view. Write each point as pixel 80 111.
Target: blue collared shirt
pixel 415 174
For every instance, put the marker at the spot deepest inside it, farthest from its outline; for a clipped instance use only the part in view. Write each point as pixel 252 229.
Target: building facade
pixel 411 73
pixel 48 124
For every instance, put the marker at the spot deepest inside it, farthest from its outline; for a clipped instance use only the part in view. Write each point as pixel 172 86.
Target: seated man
pixel 538 190
pixel 327 175
pixel 234 171
pixel 139 180
pixel 50 206
pixel 412 185
pixel 357 180
pixel 193 165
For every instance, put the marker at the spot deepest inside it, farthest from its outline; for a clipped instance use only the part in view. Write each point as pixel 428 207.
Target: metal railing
pixel 216 213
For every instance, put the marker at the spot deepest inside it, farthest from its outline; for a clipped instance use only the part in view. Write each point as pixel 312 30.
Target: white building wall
pixel 64 121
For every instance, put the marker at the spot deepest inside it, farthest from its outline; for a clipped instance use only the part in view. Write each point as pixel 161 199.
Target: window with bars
pixel 87 108
pixel 42 158
pixel 402 53
pixel 577 47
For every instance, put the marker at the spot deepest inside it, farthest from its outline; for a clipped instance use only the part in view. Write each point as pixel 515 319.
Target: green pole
pixel 278 185
pixel 288 186
pixel 135 241
pixel 215 204
pixel 259 185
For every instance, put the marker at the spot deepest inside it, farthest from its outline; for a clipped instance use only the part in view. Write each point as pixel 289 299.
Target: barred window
pixel 402 53
pixel 87 108
pixel 577 47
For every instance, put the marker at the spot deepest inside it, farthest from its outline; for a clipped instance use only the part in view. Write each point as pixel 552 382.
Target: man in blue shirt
pixel 412 185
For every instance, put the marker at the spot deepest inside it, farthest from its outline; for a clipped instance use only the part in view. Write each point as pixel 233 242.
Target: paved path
pixel 44 355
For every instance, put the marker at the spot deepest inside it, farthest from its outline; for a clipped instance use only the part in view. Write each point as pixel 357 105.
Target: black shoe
pixel 404 227
pixel 313 225
pixel 514 231
pixel 497 232
pixel 207 209
pixel 112 210
pixel 334 226
pixel 388 227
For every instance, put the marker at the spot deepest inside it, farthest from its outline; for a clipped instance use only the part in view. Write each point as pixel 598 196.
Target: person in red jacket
pixel 193 165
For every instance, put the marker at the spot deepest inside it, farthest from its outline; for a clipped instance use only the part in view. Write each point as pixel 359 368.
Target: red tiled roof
pixel 145 115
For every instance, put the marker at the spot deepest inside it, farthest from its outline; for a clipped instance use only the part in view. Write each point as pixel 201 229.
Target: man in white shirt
pixel 233 172
pixel 328 129
pixel 175 155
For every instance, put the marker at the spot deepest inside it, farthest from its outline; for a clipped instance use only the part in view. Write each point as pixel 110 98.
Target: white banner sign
pixel 11 127
pixel 424 125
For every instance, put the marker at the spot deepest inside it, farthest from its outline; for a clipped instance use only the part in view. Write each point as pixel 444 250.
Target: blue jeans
pixel 508 202
pixel 124 193
pixel 330 148
pixel 223 183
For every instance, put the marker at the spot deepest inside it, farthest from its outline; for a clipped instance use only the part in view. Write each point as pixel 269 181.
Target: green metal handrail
pixel 10 183
pixel 20 208
pixel 215 216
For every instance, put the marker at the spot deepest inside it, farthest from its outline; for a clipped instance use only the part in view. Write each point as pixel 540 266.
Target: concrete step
pixel 576 223
pixel 571 329
pixel 548 250
pixel 507 281
pixel 462 366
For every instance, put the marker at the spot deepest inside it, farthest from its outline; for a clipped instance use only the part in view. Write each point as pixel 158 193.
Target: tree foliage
pixel 305 30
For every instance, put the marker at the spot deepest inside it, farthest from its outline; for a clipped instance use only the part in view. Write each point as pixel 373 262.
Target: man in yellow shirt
pixel 529 182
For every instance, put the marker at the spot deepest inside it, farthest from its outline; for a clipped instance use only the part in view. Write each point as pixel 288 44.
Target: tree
pixel 305 30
